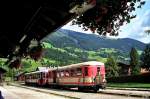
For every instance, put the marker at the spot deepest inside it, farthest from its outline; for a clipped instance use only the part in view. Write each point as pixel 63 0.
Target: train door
pixel 54 76
pixel 85 74
pixel 98 76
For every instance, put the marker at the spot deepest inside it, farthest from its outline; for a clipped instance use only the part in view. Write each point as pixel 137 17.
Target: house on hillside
pixel 124 69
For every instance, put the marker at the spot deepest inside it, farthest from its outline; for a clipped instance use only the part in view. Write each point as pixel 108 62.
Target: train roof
pixel 89 63
pixel 36 72
pixel 81 64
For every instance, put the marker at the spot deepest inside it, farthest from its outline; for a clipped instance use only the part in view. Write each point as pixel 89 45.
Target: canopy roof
pixel 24 20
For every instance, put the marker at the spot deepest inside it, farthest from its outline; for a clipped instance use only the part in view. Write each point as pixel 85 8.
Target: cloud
pixel 146 17
pixel 75 28
pixel 136 30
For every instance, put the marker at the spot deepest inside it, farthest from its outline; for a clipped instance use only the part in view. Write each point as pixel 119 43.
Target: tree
pixel 106 16
pixel 145 57
pixel 112 67
pixel 134 62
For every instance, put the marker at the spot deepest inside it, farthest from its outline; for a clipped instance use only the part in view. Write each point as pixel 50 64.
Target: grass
pixel 129 85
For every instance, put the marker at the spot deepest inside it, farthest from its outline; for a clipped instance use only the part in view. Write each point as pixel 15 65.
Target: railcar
pixel 36 78
pixel 86 75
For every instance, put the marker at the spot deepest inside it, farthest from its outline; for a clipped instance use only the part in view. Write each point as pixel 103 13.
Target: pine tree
pixel 145 57
pixel 134 62
pixel 112 67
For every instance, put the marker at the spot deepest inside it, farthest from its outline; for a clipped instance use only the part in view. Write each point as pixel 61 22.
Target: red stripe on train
pixel 85 83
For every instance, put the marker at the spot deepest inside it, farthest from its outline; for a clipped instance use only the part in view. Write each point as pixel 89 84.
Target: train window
pixel 62 73
pixel 30 77
pixel 34 76
pixel 43 75
pixel 39 75
pixel 72 72
pixel 86 71
pixel 46 75
pixel 79 72
pixel 57 74
pixel 98 70
pixel 49 74
pixel 66 73
pixel 27 77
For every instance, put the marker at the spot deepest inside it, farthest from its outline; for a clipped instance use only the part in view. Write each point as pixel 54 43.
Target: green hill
pixel 67 38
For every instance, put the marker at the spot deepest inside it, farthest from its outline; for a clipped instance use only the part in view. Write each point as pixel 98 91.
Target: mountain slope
pixel 67 38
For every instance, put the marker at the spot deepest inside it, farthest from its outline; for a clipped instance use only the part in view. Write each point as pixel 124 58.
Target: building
pixel 124 69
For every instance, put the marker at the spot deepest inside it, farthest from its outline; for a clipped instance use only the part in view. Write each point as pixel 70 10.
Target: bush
pixel 142 78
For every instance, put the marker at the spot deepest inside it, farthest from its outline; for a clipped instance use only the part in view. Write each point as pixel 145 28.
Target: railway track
pixel 102 94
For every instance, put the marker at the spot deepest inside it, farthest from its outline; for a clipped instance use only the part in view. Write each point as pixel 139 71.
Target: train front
pixel 93 76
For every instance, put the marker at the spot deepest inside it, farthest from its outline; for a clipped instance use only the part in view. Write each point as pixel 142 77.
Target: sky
pixel 135 29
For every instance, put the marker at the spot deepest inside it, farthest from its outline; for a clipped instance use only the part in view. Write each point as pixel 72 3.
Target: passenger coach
pixel 86 75
pixel 38 78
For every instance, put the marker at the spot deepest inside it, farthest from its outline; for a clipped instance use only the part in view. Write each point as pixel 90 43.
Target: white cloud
pixel 137 30
pixel 75 28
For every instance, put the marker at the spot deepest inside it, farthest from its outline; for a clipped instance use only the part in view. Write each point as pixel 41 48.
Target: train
pixel 84 76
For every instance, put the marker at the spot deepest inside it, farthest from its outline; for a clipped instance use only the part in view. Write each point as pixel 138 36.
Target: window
pixel 98 70
pixel 67 73
pixel 72 72
pixel 58 74
pixel 62 73
pixel 34 76
pixel 43 75
pixel 47 75
pixel 86 71
pixel 79 72
pixel 39 76
pixel 50 74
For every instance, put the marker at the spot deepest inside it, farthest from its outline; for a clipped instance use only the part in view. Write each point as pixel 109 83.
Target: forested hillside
pixel 67 38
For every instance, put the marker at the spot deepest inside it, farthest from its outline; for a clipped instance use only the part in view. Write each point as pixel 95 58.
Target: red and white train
pixel 86 75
